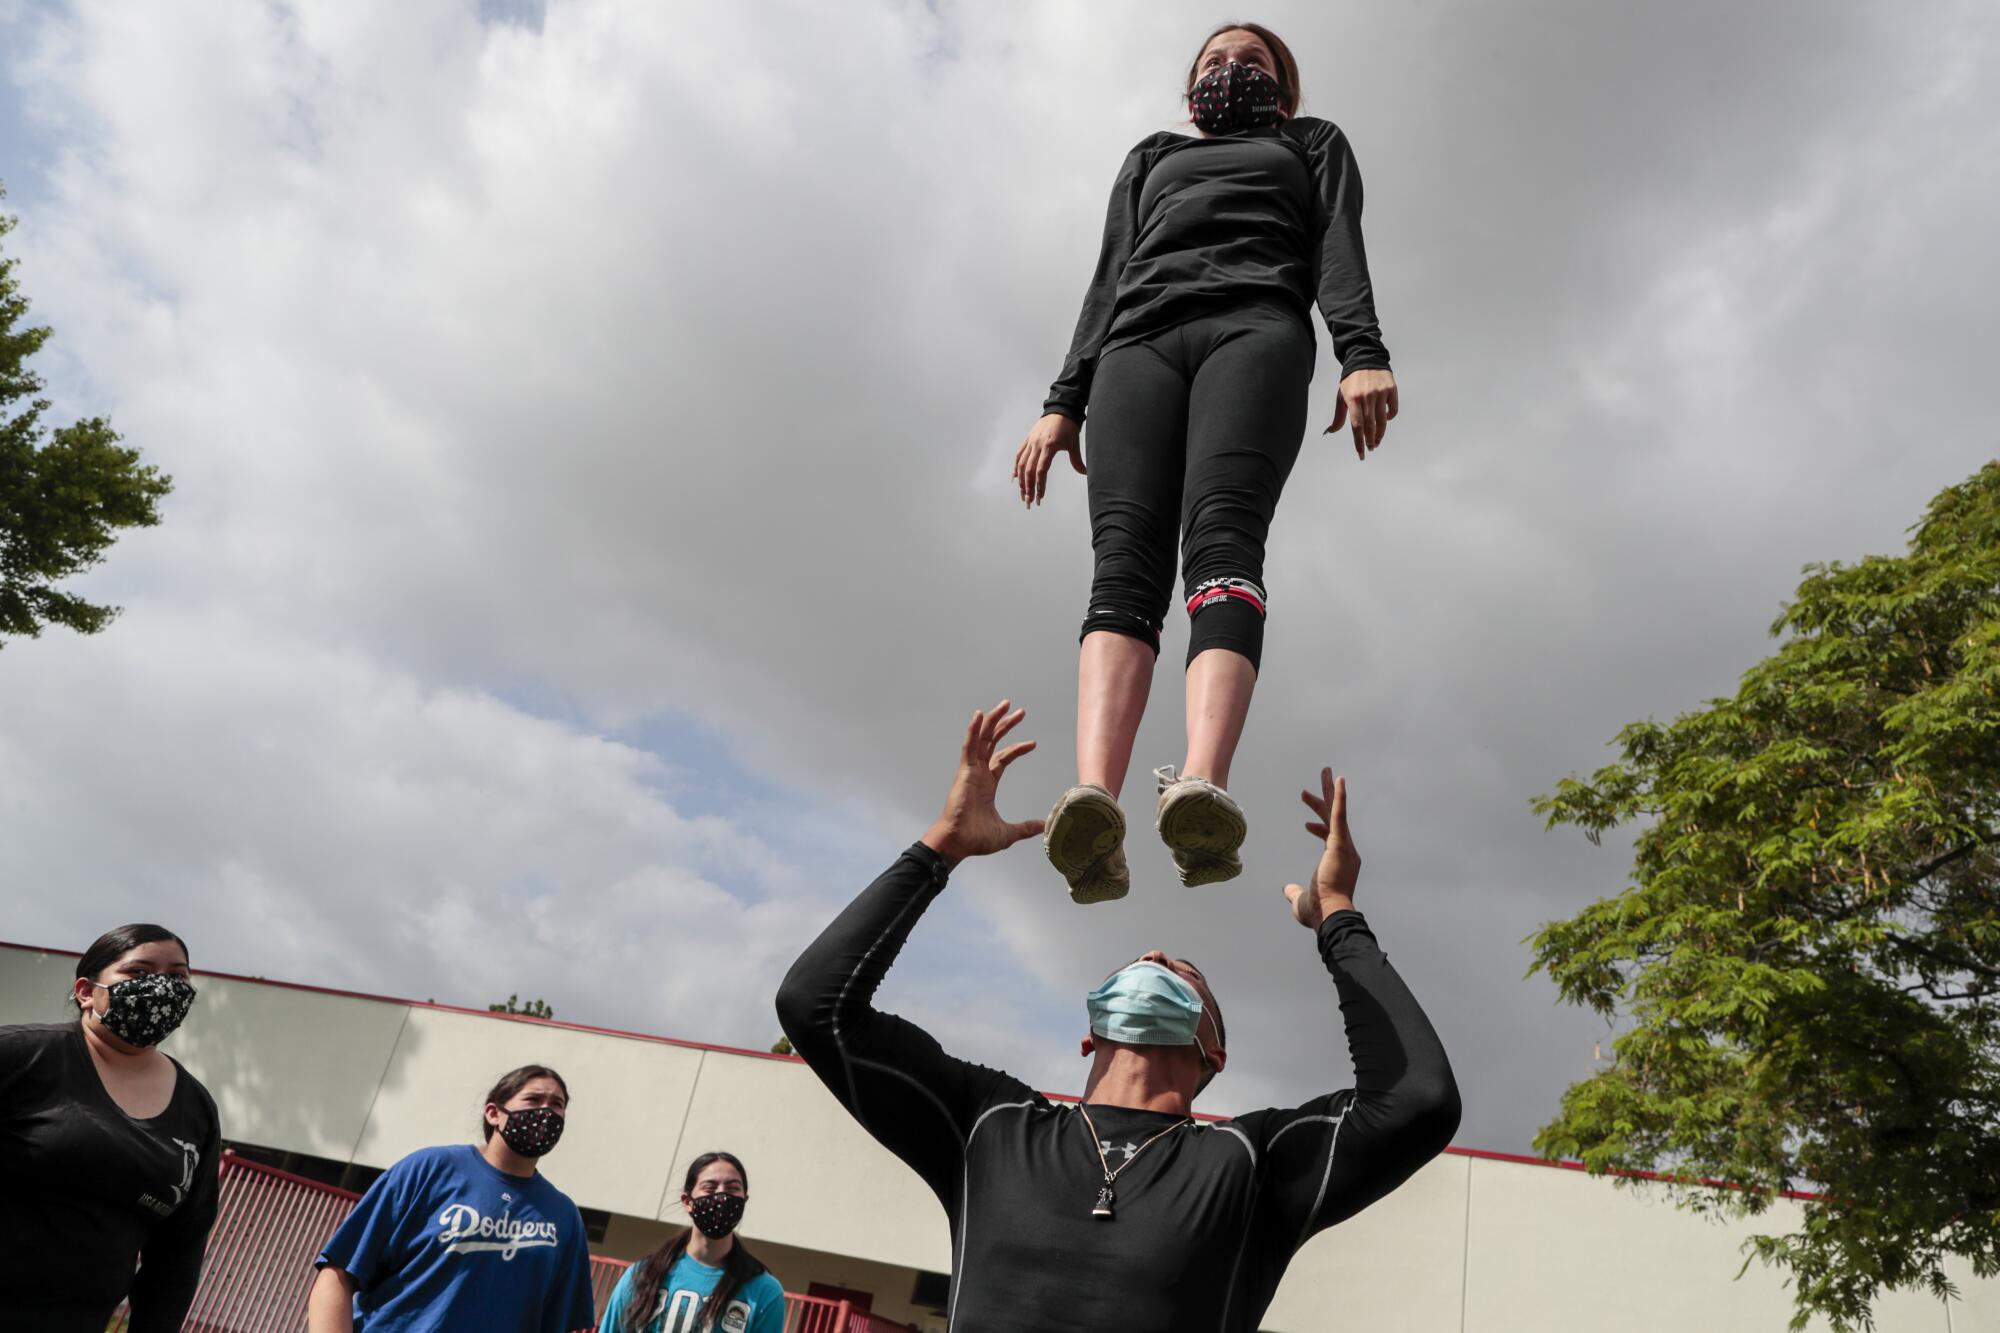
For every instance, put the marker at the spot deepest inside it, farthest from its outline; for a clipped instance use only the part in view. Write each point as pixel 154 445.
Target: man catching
pixel 1123 1211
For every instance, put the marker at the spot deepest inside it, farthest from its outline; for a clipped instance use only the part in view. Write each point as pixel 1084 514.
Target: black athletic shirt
pixel 1207 1217
pixel 86 1190
pixel 1198 225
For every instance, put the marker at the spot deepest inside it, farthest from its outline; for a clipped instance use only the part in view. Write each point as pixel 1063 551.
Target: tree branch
pixel 1956 853
pixel 1959 964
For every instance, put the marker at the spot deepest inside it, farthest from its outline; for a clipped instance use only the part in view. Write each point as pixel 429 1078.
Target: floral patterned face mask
pixel 1234 97
pixel 144 1011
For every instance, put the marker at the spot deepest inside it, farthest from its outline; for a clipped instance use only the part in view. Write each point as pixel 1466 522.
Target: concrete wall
pixel 1470 1244
pixel 1486 1246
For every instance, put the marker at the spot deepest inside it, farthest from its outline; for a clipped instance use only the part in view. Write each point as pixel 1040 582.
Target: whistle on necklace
pixel 1105 1199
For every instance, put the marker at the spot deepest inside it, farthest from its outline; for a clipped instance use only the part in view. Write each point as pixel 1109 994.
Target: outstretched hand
pixel 1339 864
pixel 971 824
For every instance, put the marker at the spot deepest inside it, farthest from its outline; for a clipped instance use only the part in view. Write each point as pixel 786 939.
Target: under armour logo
pixel 1130 1150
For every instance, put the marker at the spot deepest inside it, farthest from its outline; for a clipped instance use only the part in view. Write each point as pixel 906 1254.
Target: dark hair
pixel 738 1266
pixel 1215 1013
pixel 1288 65
pixel 1214 1008
pixel 115 944
pixel 512 1082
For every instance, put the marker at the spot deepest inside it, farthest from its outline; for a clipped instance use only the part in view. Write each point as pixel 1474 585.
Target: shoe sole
pixel 1085 829
pixel 1201 820
pixel 1201 868
pixel 1203 829
pixel 1109 880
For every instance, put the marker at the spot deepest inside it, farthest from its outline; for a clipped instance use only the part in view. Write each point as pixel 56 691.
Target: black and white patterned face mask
pixel 717 1214
pixel 533 1130
pixel 1234 97
pixel 144 1011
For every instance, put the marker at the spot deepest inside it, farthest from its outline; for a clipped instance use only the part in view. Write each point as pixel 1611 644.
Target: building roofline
pixel 1482 1154
pixel 442 1008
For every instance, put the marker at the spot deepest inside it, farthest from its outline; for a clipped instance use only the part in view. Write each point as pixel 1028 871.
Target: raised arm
pixel 891 1075
pixel 1327 1160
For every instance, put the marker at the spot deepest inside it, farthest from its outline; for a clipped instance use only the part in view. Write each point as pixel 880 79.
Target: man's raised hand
pixel 971 824
pixel 1339 864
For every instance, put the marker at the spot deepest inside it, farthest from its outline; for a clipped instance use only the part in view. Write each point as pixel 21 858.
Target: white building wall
pixel 1470 1244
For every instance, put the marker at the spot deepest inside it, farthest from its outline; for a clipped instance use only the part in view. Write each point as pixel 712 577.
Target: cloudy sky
pixel 591 531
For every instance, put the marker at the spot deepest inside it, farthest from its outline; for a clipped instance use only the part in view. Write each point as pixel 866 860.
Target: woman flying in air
pixel 1191 359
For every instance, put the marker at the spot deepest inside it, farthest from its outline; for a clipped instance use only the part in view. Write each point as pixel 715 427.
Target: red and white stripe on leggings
pixel 1216 589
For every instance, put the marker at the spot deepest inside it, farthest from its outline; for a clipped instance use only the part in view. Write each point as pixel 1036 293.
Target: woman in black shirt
pixel 108 1149
pixel 1193 355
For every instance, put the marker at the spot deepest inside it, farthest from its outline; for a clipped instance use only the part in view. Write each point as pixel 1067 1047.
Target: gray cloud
pixel 528 383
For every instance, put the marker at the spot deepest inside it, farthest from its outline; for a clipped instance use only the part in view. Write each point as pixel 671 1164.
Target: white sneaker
pixel 1085 840
pixel 1202 826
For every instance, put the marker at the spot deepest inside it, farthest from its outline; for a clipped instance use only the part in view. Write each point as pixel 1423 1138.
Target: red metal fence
pixel 258 1267
pixel 604 1275
pixel 270 1227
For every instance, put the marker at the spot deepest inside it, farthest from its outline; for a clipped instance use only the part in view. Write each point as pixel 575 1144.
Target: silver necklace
pixel 1107 1197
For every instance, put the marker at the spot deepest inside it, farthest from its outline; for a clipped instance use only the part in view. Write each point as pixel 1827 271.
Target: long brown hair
pixel 1288 65
pixel 738 1266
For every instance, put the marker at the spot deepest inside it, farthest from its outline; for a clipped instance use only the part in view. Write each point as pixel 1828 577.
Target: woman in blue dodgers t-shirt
pixel 465 1238
pixel 704 1278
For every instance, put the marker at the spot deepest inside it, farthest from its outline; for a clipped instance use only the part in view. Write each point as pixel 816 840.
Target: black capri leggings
pixel 1192 434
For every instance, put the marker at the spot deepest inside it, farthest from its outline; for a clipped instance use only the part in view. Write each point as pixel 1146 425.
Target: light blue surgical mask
pixel 1147 1004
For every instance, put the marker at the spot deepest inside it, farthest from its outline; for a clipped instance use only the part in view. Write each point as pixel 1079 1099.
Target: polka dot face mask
pixel 533 1130
pixel 144 1011
pixel 717 1214
pixel 1234 97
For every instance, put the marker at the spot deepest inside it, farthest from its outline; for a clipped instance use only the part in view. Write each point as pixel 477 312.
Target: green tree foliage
pixel 536 1008
pixel 1807 963
pixel 63 494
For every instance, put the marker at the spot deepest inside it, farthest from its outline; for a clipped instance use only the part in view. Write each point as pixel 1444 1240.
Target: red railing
pixel 816 1314
pixel 863 1322
pixel 604 1275
pixel 270 1225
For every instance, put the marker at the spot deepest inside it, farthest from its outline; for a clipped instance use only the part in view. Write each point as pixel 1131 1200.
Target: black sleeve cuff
pixel 1341 933
pixel 934 865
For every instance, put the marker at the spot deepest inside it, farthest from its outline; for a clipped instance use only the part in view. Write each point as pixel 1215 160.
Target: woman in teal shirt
pixel 704 1278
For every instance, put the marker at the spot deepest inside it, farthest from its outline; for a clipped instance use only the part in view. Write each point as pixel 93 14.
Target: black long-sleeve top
pixel 1197 225
pixel 87 1191
pixel 1207 1217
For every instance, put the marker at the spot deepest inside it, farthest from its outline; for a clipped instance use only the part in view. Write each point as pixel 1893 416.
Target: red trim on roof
pixel 1564 1164
pixel 443 1008
pixel 1519 1159
pixel 235 1161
